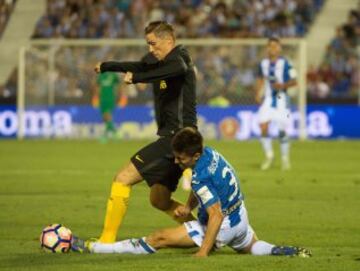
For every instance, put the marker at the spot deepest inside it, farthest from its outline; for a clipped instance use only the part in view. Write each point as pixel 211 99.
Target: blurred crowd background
pixel 223 72
pixel 6 7
pixel 191 18
pixel 226 74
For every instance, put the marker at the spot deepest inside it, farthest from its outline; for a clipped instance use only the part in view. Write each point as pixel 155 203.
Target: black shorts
pixel 156 164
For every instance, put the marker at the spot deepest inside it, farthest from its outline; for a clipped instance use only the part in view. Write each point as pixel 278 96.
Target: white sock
pixel 284 147
pixel 267 147
pixel 261 248
pixel 131 246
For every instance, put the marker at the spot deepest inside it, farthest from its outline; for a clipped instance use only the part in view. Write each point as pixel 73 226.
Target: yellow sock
pixel 179 220
pixel 115 211
pixel 186 179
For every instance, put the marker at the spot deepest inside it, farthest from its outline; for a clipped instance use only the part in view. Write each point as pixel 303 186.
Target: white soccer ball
pixel 56 238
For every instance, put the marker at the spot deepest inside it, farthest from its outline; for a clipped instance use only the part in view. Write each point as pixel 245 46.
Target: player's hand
pixel 182 211
pixel 128 78
pixel 97 68
pixel 95 101
pixel 277 86
pixel 258 99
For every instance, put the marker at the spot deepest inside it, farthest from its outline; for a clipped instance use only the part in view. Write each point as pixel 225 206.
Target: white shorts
pixel 268 113
pixel 237 237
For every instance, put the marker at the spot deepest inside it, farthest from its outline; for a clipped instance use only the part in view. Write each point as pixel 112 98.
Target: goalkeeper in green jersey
pixel 107 92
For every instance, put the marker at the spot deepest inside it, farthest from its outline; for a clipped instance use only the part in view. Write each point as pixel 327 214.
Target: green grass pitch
pixel 316 205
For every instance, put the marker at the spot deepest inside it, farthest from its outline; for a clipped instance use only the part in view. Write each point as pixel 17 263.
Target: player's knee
pixel 128 175
pixel 120 178
pixel 107 116
pixel 264 129
pixel 282 135
pixel 124 180
pixel 249 247
pixel 160 204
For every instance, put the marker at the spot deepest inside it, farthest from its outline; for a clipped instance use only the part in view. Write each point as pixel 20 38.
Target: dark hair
pixel 160 29
pixel 188 140
pixel 275 39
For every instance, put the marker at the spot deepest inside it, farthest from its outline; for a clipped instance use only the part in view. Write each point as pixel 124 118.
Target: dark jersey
pixel 174 86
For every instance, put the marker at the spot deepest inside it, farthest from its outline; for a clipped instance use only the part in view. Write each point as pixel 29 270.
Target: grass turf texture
pixel 315 205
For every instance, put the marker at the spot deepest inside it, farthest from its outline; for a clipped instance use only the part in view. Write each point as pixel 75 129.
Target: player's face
pixel 274 49
pixel 185 161
pixel 159 47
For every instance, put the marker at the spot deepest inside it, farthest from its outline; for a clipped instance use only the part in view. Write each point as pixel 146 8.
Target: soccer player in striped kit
pixel 275 75
pixel 222 216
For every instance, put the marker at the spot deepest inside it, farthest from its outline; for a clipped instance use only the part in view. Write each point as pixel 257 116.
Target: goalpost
pixel 53 72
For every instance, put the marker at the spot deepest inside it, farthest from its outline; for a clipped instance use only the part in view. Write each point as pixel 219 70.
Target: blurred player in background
pixel 275 76
pixel 108 91
pixel 171 71
pixel 222 217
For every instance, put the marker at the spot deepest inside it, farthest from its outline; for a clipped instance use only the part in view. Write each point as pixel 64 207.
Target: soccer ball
pixel 56 238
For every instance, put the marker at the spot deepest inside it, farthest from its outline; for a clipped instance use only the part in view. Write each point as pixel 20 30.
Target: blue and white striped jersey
pixel 279 71
pixel 214 180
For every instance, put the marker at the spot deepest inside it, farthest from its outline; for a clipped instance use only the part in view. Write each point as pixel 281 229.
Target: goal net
pixel 57 76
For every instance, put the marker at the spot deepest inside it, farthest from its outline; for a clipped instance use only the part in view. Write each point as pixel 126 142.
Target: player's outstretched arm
pixel 213 226
pixel 290 83
pixel 185 210
pixel 259 86
pixel 284 86
pixel 170 68
pixel 114 66
pixel 192 201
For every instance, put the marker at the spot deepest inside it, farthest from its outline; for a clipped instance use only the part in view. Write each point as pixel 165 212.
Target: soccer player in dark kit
pixel 169 68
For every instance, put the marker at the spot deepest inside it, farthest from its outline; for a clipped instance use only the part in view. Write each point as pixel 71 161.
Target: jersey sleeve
pixel 289 72
pixel 205 193
pixel 129 66
pixel 170 68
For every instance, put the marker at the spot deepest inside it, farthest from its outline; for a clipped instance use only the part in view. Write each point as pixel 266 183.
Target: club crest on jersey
pixel 163 84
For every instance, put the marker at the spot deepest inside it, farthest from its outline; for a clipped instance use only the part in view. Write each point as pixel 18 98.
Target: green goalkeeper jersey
pixel 108 83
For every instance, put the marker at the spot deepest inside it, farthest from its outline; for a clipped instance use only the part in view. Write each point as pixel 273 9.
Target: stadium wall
pixel 137 122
